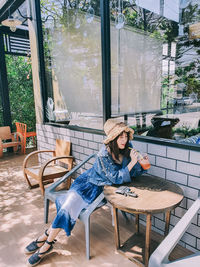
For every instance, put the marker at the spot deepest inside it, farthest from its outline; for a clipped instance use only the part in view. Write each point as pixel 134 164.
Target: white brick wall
pixel 177 177
pixel 177 165
pixel 176 153
pixel 166 163
pixel 194 157
pixel 157 150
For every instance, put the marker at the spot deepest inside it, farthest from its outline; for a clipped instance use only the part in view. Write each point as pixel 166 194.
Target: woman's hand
pixel 134 156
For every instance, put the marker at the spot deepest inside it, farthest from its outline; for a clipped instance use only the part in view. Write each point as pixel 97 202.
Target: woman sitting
pixel 115 164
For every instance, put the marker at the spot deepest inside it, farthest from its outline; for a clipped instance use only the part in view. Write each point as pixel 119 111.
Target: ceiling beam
pixel 10 6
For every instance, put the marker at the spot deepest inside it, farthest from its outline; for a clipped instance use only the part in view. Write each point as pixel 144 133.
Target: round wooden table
pixel 155 195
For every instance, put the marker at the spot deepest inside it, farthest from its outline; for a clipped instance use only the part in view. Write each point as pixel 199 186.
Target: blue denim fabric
pixel 88 191
pixel 63 219
pixel 107 172
pixel 90 184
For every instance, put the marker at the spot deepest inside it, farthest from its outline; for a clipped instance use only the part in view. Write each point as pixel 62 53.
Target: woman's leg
pixel 46 248
pixel 36 244
pixel 52 232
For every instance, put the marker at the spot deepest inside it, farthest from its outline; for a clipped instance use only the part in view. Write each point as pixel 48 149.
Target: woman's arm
pixel 133 156
pixel 135 169
pixel 110 172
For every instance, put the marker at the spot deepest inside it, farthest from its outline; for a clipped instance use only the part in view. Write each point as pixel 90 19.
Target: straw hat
pixel 113 128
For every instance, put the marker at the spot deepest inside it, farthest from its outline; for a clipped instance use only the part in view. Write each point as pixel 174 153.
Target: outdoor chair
pixel 8 139
pixel 55 167
pixel 160 257
pixel 22 128
pixel 51 194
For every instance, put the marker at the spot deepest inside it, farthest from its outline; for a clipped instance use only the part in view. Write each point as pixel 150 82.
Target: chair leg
pixel 24 147
pixel 29 183
pixel 33 137
pixel 41 184
pixel 1 150
pixel 46 210
pixel 15 148
pixel 87 237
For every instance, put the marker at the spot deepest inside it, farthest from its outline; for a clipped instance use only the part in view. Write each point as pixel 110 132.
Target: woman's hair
pixel 115 149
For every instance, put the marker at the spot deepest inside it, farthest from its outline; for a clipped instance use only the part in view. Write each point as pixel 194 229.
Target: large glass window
pixel 72 33
pixel 155 67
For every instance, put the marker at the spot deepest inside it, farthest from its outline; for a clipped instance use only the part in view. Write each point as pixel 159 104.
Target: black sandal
pixel 33 247
pixel 37 257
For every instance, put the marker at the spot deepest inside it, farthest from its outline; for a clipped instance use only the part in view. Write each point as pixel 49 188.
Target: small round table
pixel 155 195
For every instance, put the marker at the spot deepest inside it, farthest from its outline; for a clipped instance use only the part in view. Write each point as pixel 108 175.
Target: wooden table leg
pixel 147 240
pixel 116 222
pixel 137 228
pixel 167 220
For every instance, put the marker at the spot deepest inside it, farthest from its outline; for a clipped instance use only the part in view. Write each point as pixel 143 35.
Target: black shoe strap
pixel 51 243
pixel 38 242
pixel 46 232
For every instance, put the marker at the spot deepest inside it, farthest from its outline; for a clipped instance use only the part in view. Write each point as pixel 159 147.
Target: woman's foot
pixel 37 256
pixel 35 245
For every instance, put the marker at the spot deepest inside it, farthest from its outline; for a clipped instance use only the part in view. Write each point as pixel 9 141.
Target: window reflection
pixel 176 113
pixel 73 59
pixel 154 64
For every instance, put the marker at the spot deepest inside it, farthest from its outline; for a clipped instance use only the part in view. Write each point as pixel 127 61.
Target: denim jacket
pixel 107 172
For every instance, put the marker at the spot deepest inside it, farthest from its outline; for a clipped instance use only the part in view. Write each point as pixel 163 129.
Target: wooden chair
pixel 22 128
pixel 51 169
pixel 8 139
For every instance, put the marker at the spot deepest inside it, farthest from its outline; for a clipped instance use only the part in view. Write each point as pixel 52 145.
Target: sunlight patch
pixel 63 252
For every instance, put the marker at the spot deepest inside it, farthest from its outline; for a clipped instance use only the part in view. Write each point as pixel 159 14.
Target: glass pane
pixel 155 67
pixel 137 60
pixel 165 49
pixel 73 58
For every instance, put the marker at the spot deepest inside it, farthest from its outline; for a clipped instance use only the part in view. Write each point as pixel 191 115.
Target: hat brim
pixel 117 133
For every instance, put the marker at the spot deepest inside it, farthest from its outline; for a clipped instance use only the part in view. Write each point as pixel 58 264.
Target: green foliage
pixel 186 131
pixel 21 91
pixel 188 50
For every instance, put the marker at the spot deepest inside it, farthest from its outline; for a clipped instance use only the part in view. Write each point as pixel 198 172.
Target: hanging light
pixel 12 23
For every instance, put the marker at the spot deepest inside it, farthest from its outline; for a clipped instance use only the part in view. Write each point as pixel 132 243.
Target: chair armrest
pixel 94 205
pixel 42 169
pixel 67 175
pixel 32 154
pixel 161 254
